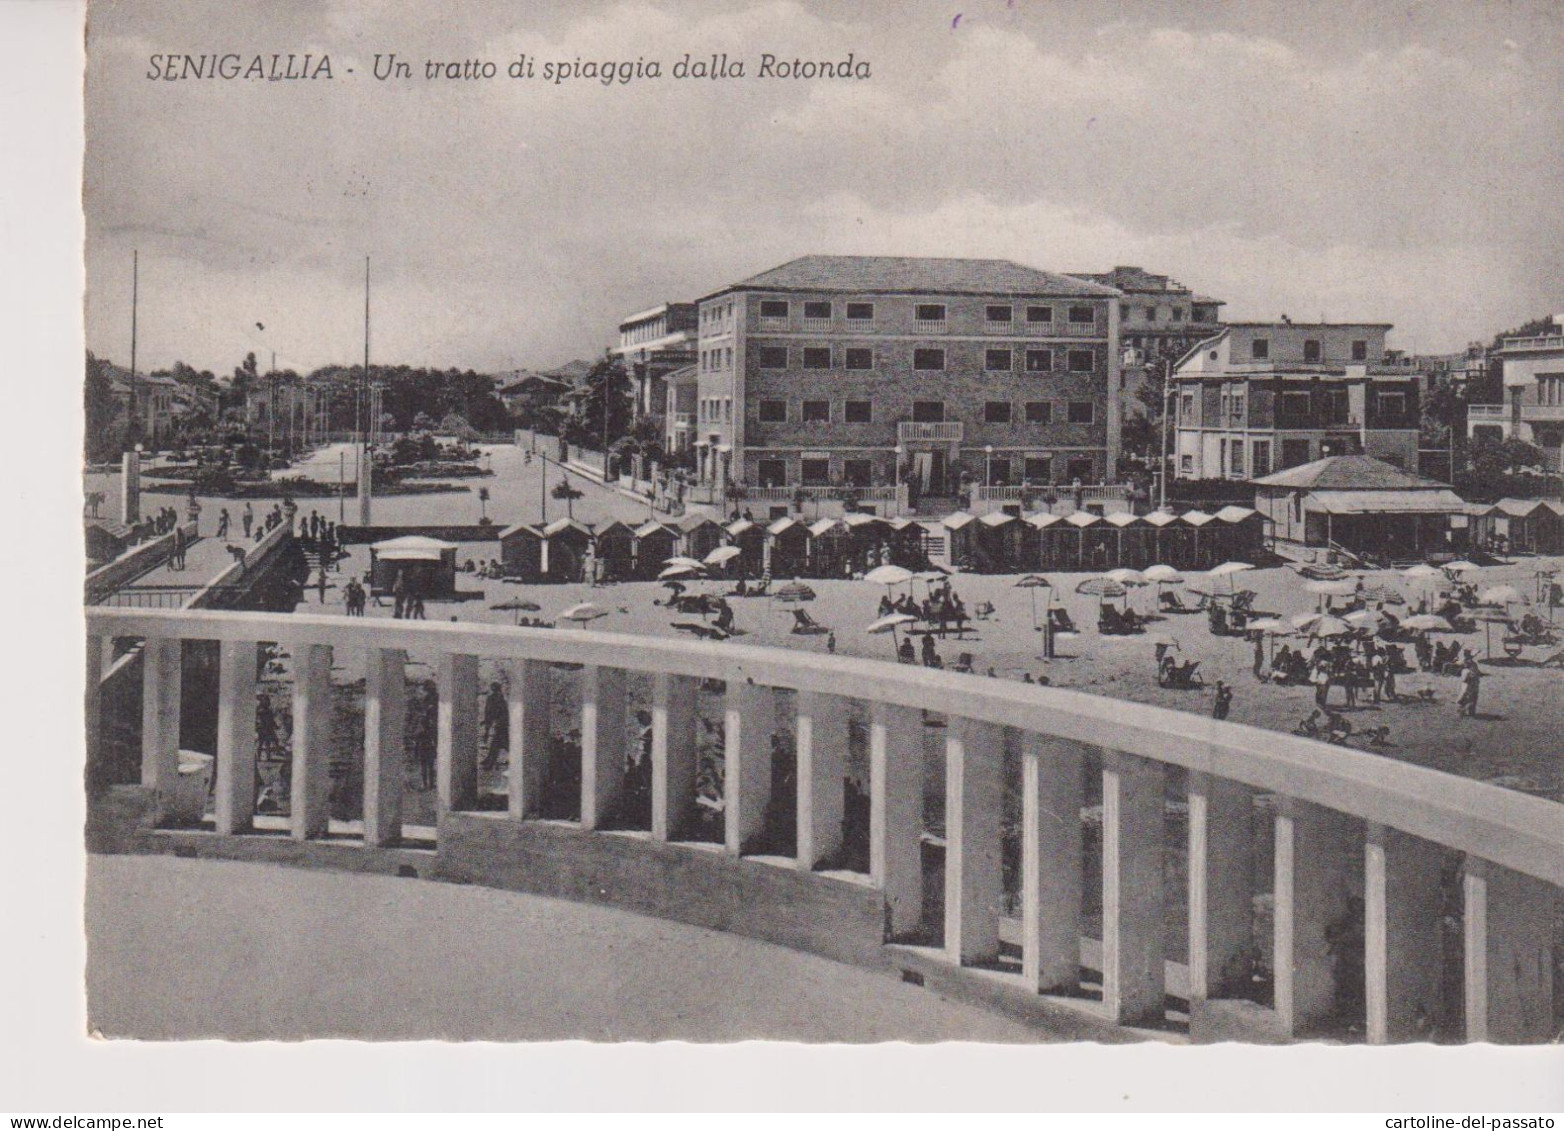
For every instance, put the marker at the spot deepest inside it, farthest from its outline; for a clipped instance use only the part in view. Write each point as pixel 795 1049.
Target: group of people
pixel 354 595
pixel 408 603
pixel 942 608
pixel 489 570
pixel 1372 667
pixel 929 658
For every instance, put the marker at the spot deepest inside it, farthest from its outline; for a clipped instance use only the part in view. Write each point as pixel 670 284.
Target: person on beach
pixel 1471 686
pixel 496 726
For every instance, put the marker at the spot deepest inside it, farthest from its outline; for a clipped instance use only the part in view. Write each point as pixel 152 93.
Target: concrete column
pixel 236 736
pixel 674 753
pixel 1509 955
pixel 602 743
pixel 385 740
pixel 130 487
pixel 974 883
pixel 896 813
pixel 456 750
pixel 162 673
pixel 311 796
pixel 822 772
pixel 749 717
pixel 1221 881
pixel 1053 781
pixel 1133 975
pixel 531 736
pixel 1402 951
pixel 93 707
pixel 1315 848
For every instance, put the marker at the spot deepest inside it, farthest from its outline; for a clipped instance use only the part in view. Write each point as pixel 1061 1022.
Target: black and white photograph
pixel 992 521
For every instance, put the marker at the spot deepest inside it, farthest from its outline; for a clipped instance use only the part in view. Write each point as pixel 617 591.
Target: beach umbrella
pixel 794 591
pixel 1228 570
pixel 681 571
pixel 1304 621
pixel 518 606
pixel 1382 594
pixel 1127 576
pixel 1503 595
pixel 888 575
pixel 1420 572
pixel 584 612
pixel 1163 575
pixel 1034 582
pixel 722 555
pixel 1371 619
pixel 1427 622
pixel 1462 566
pixel 1328 626
pixel 1490 617
pixel 890 624
pixel 1272 626
pixel 681 560
pixel 1341 587
pixel 1101 587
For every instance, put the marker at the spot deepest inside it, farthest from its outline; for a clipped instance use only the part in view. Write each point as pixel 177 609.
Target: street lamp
pixel 1162 453
pixel 988 465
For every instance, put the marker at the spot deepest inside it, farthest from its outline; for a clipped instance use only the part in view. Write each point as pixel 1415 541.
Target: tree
pixel 483 505
pixel 607 389
pixel 105 434
pixel 565 490
pixel 455 424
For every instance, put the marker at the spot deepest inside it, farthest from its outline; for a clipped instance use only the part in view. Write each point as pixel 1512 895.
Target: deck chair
pixel 963 663
pixel 704 631
pixel 1172 602
pixel 806 625
pixel 983 610
pixel 1243 602
pixel 1060 620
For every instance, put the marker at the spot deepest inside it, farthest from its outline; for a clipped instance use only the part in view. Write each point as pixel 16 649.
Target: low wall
pixel 833 918
pixel 362 535
pixel 230 586
pixel 134 562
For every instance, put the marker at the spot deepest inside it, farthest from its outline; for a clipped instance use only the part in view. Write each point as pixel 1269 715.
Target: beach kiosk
pixel 829 542
pixel 1242 533
pixel 1159 526
pixel 566 543
pixel 427 566
pixel 615 551
pixel 750 538
pixel 787 541
pixel 655 543
pixel 521 552
pixel 906 537
pixel 998 542
pixel 960 536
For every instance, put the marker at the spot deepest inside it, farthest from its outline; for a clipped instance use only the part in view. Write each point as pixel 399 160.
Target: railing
pixel 1487 412
pixel 1542 412
pixel 1339 820
pixel 1099 492
pixel 684 420
pixel 942 432
pixel 929 326
pixel 880 494
pixel 1541 342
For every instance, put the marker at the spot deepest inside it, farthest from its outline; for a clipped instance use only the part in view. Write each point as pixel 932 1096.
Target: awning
pixel 1385 502
pixel 412 548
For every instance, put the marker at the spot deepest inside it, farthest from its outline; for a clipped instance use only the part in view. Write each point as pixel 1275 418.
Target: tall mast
pixel 365 470
pixel 135 298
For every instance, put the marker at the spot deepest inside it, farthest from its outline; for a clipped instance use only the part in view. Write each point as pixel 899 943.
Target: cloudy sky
pixel 1387 161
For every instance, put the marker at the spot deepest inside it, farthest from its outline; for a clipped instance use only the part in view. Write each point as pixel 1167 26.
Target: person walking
pixel 422 731
pixel 1259 654
pixel 1321 679
pixel 1471 686
pixel 399 592
pixel 222 523
pixel 1223 702
pixel 247 518
pixel 496 725
pixel 266 743
pixel 320 584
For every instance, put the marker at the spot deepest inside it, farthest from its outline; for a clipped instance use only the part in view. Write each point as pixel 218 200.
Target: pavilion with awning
pixel 1361 504
pixel 427 566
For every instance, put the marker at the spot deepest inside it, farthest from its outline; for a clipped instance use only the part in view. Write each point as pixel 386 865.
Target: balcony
pixel 817 325
pixel 818 492
pixel 1487 412
pixel 1541 343
pixel 684 421
pixel 941 432
pixel 1545 413
pixel 999 327
pixel 928 326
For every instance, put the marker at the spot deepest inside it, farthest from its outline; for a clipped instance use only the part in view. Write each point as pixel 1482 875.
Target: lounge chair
pixel 704 631
pixel 1185 675
pixel 963 663
pixel 1172 602
pixel 1060 620
pixel 806 625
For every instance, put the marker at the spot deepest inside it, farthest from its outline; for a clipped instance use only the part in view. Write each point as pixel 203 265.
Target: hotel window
pixel 1039 314
pixel 996 361
pixel 998 472
pixel 859 412
pixel 817 412
pixel 817 357
pixel 772 472
pixel 1296 405
pixel 1311 350
pixel 1360 351
pixel 1082 315
pixel 814 472
pixel 1236 459
pixel 773 412
pixel 999 313
pixel 1151 314
pixel 727 409
pixel 817 310
pixel 928 359
pixel 1082 412
pixel 1078 469
pixel 859 358
pixel 1038 469
pixel 858 472
pixel 773 308
pixel 929 312
pixel 1186 463
pixel 1392 404
pixel 773 357
pixel 1178 314
pixel 1039 412
pixel 1262 458
pixel 1186 409
pixel 928 412
pixel 1081 361
pixel 996 412
pixel 1260 348
pixel 860 312
pixel 1039 361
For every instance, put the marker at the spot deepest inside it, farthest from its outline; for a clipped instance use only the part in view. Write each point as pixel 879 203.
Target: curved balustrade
pixel 1344 825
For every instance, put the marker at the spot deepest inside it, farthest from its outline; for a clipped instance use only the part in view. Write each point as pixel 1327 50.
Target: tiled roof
pixel 1349 473
pixel 885 274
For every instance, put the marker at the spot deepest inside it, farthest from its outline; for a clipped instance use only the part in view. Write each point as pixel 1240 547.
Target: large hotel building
pixel 861 370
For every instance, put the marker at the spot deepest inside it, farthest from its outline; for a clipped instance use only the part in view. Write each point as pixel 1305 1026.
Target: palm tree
pixel 564 490
pixel 483 504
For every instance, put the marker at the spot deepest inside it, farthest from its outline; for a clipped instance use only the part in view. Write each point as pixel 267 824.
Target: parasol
pixel 888 575
pixel 518 606
pixel 1163 575
pixel 1462 566
pixel 1034 582
pixel 681 560
pixel 1427 622
pixel 681 571
pixel 1503 595
pixel 584 612
pixel 794 591
pixel 722 555
pixel 1328 626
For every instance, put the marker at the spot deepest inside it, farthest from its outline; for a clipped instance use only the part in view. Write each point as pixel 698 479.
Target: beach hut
pixel 750 538
pixel 1205 548
pixel 829 545
pixel 787 547
pixel 427 566
pixel 566 544
pixel 1087 540
pixel 960 536
pixel 655 543
pixel 1159 525
pixel 1132 546
pixel 1241 531
pixel 998 543
pixel 907 542
pixel 868 539
pixel 702 534
pixel 521 552
pixel 1532 526
pixel 614 549
pixel 1049 534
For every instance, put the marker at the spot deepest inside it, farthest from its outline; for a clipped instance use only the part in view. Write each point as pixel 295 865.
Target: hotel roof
pixel 883 274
